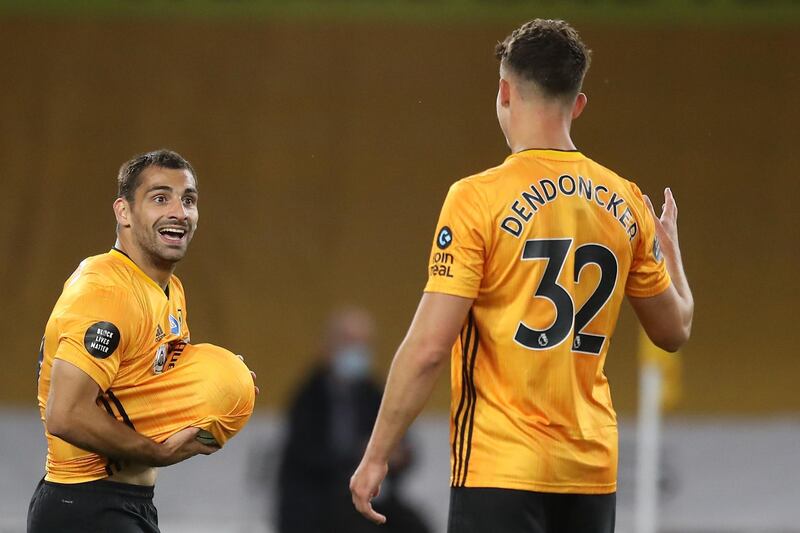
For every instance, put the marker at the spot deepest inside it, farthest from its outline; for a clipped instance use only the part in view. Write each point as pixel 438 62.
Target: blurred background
pixel 325 135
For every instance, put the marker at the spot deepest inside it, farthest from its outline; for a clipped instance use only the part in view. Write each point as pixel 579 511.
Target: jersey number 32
pixel 555 251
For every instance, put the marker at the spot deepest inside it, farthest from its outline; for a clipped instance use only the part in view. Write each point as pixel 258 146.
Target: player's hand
pixel 251 373
pixel 181 446
pixel 667 223
pixel 365 485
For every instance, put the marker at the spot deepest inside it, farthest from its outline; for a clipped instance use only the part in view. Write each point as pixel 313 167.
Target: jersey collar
pixel 549 153
pixel 125 258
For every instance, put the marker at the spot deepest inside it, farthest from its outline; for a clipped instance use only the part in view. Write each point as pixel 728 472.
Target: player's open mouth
pixel 172 235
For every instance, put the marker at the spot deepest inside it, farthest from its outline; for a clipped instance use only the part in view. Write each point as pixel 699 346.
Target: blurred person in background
pixel 528 269
pixel 329 424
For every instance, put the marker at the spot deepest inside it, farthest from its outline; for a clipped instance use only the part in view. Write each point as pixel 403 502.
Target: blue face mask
pixel 351 362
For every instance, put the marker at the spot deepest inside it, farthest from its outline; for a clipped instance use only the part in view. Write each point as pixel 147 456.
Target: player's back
pixel 547 244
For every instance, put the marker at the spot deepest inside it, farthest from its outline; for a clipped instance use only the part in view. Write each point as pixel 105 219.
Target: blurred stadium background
pixel 325 135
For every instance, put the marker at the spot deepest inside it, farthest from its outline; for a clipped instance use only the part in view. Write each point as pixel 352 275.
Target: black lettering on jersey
pixel 625 218
pixel 512 226
pixel 569 190
pixel 443 257
pixel 633 230
pixel 614 203
pixel 597 195
pixel 441 264
pixel 101 339
pixel 520 210
pixel 549 188
pixel 534 197
pixel 585 187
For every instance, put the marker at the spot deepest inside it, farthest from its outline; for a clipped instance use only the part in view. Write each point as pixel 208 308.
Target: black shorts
pixel 487 510
pixel 94 507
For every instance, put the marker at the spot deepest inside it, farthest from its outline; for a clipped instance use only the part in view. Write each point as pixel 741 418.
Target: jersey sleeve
pixel 95 331
pixel 459 247
pixel 648 274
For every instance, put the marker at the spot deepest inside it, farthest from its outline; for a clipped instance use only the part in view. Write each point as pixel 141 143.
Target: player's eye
pixel 159 199
pixel 189 201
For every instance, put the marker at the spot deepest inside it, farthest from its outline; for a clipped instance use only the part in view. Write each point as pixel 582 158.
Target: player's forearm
pixel 672 256
pixel 411 380
pixel 92 429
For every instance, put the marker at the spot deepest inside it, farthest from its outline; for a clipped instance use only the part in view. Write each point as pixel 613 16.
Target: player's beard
pixel 159 253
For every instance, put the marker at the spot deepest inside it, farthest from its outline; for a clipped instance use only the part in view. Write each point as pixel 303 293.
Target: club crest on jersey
pixel 160 333
pixel 174 325
pixel 160 359
pixel 444 238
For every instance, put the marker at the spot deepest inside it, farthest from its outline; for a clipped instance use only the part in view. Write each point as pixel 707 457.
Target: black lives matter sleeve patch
pixel 101 339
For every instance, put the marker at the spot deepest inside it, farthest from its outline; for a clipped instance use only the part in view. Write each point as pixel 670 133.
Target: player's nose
pixel 178 211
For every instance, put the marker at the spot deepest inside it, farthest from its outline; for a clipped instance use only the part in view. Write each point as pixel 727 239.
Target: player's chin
pixel 173 252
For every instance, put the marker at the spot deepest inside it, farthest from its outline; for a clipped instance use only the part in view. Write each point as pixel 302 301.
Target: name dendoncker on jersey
pixel 548 190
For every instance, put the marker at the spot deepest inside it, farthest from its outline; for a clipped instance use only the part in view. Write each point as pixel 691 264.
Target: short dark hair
pixel 549 53
pixel 130 171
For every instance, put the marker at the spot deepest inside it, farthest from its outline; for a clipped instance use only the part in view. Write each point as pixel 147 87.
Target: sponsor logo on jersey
pixel 174 325
pixel 441 264
pixel 444 238
pixel 160 333
pixel 101 339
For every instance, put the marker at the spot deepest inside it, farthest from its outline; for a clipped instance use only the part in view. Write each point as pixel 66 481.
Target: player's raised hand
pixel 365 485
pixel 181 446
pixel 667 223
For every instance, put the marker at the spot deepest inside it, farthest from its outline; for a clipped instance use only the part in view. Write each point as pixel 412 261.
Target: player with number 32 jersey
pixel 547 244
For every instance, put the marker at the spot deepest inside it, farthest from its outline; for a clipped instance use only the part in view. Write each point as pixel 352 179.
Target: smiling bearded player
pixel 115 344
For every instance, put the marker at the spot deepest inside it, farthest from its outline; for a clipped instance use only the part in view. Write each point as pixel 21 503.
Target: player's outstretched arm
pixel 667 317
pixel 416 365
pixel 73 415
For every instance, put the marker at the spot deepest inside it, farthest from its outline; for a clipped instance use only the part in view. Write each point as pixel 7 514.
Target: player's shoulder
pixel 485 178
pixel 602 171
pixel 102 274
pixel 477 187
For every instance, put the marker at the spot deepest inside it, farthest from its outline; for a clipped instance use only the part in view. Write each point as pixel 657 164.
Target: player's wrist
pixel 155 454
pixel 375 456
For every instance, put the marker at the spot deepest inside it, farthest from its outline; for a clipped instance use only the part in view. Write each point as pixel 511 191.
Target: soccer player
pixel 530 264
pixel 120 320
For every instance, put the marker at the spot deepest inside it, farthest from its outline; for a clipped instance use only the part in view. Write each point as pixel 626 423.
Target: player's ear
pixel 504 93
pixel 579 105
pixel 122 212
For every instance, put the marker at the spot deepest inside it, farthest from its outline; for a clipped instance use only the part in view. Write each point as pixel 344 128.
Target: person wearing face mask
pixel 329 423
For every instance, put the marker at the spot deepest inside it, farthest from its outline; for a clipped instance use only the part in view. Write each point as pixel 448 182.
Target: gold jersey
pixel 129 335
pixel 547 244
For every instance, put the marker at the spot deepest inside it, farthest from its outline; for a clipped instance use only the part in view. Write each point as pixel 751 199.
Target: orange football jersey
pixel 116 324
pixel 547 244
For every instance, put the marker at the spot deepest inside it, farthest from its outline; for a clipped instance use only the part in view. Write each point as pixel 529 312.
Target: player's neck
pixel 545 132
pixel 160 273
